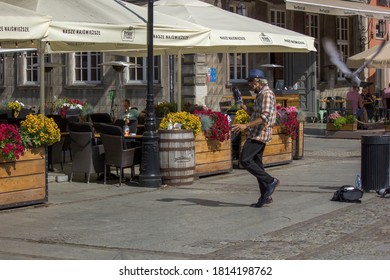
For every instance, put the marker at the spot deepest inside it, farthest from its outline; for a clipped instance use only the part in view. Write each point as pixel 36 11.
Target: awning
pixel 338 8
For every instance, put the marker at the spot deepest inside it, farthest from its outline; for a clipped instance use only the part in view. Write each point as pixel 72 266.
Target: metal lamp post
pixel 150 166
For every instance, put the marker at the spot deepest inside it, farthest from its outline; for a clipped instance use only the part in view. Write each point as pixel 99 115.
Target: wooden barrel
pixel 177 156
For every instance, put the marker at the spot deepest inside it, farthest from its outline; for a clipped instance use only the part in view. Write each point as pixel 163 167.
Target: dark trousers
pixel 251 158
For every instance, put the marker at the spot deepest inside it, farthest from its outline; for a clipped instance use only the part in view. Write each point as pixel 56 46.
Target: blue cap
pixel 256 73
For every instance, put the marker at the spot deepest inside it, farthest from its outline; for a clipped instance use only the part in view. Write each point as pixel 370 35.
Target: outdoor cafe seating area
pixel 90 147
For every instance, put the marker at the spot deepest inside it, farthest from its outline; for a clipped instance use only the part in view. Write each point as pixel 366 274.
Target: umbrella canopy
pixel 101 25
pixel 382 60
pixel 231 32
pixel 20 27
pixel 98 25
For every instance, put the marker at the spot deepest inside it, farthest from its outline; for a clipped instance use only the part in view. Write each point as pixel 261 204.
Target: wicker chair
pixel 117 154
pixel 87 157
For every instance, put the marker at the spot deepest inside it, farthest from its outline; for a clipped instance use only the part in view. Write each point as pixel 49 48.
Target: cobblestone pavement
pixel 209 219
pixel 360 232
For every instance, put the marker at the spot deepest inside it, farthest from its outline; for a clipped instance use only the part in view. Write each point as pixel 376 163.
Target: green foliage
pixel 206 122
pixel 341 121
pixel 164 108
pixel 350 119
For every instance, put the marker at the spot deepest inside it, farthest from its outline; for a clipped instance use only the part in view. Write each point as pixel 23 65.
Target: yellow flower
pixel 38 130
pixel 188 121
pixel 16 105
pixel 242 117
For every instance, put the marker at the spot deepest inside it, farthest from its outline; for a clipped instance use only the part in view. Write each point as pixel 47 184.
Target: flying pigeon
pixel 334 56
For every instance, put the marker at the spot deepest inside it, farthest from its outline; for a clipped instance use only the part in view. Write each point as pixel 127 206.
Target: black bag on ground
pixel 348 193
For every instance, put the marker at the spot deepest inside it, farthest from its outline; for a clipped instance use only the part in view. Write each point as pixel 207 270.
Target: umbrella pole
pixel 179 81
pixel 42 77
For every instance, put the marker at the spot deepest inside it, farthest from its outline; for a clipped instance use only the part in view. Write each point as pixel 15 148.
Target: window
pixel 384 3
pixel 312 29
pixel 342 37
pixel 32 72
pixel 278 18
pixel 87 67
pixel 29 61
pixel 238 66
pixel 137 72
pixel 238 62
pixel 380 29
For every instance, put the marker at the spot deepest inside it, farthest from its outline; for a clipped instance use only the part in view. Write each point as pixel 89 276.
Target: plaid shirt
pixel 265 108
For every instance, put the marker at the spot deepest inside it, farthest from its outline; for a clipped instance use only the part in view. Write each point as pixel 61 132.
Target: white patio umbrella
pixel 382 60
pixel 231 32
pixel 98 25
pixel 21 28
pixel 102 25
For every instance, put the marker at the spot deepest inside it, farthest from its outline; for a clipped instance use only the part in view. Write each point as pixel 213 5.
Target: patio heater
pixel 119 67
pixel 150 166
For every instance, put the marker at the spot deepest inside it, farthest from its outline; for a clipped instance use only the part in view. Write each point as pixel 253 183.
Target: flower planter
pixel 24 181
pixel 212 156
pixel 278 151
pixel 348 126
pixel 387 127
pixel 298 143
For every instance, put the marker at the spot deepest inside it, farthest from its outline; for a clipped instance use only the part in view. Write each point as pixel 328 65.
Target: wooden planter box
pixel 24 182
pixel 348 126
pixel 278 151
pixel 212 156
pixel 387 127
pixel 297 144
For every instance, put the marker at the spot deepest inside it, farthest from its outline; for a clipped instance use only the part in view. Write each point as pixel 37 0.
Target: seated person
pixel 355 105
pixel 130 113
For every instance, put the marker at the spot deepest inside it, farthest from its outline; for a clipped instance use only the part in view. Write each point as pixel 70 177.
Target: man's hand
pixel 238 127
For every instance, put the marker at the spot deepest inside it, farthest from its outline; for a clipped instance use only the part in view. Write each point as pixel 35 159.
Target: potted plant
pixel 38 130
pixel 69 103
pixel 190 107
pixel 23 165
pixel 15 106
pixel 11 145
pixel 338 122
pixel 177 147
pixel 163 108
pixel 184 120
pixel 291 120
pixel 215 125
pixel 213 146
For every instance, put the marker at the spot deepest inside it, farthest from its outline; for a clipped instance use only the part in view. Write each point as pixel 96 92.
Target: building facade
pixel 207 78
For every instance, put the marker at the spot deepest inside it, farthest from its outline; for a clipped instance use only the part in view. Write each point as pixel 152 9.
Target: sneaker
pixel 271 188
pixel 262 202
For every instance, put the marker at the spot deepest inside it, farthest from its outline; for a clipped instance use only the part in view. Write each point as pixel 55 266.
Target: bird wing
pixel 334 56
pixel 379 49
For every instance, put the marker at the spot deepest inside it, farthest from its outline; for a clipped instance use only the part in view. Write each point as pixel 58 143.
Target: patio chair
pixel 87 157
pixel 62 124
pixel 118 156
pixel 99 118
pixel 55 154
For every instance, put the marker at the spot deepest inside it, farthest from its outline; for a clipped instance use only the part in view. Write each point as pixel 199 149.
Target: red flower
pixel 219 128
pixel 11 146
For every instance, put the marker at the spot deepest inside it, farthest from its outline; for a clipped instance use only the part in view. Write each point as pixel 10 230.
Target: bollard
pixel 375 162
